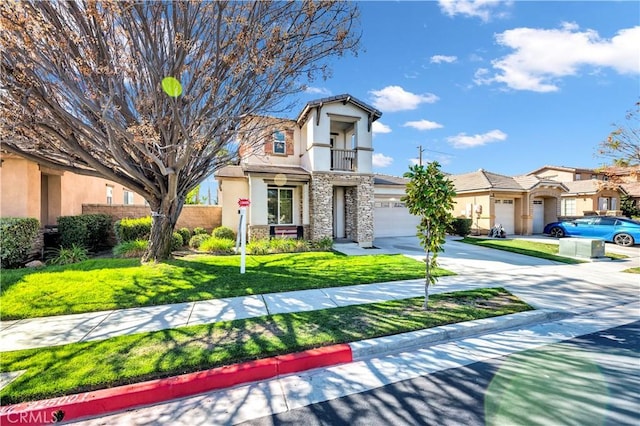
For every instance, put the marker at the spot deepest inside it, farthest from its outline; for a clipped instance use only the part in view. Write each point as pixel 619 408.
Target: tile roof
pixel 379 179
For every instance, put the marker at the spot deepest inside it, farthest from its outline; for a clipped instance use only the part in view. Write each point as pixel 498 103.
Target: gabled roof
pixel 483 180
pixel 379 179
pixel 344 98
pixel 561 168
pixel 632 189
pixel 588 186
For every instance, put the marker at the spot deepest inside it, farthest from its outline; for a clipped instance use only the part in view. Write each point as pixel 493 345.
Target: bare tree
pixel 623 144
pixel 81 85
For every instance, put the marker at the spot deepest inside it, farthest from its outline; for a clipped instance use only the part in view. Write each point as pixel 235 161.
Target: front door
pixel 338 212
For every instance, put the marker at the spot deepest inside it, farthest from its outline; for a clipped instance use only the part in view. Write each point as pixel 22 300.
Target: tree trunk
pixel 427 280
pixel 165 216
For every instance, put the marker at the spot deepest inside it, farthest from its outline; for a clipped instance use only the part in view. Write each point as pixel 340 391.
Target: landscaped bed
pixel 105 284
pixel 79 367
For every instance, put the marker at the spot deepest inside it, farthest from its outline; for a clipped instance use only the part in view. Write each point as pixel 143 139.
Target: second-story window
pixel 109 194
pixel 128 197
pixel 279 143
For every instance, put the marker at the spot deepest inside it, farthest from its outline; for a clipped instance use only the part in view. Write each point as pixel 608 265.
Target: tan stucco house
pixel 588 191
pixel 521 204
pixel 28 189
pixel 311 176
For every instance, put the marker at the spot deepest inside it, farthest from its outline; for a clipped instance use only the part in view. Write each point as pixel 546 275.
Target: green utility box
pixel 581 247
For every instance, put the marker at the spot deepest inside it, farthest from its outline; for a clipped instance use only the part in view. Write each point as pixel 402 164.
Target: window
pixel 279 143
pixel 607 203
pixel 280 206
pixel 128 197
pixel 109 194
pixel 568 207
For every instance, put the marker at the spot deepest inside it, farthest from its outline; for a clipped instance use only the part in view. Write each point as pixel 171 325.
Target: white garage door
pixel 392 219
pixel 538 216
pixel 505 214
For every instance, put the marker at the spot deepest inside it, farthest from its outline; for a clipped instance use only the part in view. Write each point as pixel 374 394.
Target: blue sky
pixel 504 86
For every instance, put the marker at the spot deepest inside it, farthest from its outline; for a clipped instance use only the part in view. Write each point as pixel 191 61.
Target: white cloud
pixel 395 98
pixel 438 59
pixel 542 56
pixel 381 160
pixel 483 9
pixel 423 125
pixel 318 91
pixel 378 127
pixel 462 140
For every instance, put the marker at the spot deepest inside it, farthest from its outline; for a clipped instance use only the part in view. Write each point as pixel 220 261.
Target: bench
pixel 285 231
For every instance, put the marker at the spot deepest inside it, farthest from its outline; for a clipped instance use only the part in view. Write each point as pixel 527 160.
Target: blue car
pixel 622 231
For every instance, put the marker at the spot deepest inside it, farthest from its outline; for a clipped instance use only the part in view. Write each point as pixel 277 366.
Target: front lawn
pixel 529 248
pixel 105 284
pixel 79 367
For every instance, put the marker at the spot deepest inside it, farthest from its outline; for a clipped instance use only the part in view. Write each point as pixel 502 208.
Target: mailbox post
pixel 243 203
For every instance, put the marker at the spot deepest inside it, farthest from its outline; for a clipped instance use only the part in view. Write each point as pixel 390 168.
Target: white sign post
pixel 242 233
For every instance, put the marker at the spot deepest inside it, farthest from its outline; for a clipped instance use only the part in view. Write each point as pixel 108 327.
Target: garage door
pixel 538 216
pixel 392 219
pixel 505 214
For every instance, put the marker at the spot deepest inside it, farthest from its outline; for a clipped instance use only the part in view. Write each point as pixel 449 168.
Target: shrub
pixel 258 246
pixel 16 240
pixel 460 226
pixel 198 230
pixel 197 239
pixel 323 244
pixel 186 235
pixel 127 229
pixel 86 230
pixel 283 245
pixel 176 241
pixel 224 232
pixel 134 248
pixel 217 245
pixel 68 255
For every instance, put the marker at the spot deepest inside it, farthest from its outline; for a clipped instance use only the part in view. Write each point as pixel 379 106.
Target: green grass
pixel 632 270
pixel 104 284
pixel 79 367
pixel 529 248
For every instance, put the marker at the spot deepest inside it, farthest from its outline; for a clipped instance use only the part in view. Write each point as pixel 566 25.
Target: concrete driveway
pixel 542 283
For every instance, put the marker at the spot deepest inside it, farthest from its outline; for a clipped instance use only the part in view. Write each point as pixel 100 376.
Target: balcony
pixel 343 160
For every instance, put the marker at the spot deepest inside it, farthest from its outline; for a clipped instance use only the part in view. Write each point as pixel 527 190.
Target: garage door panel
pixel 394 220
pixel 505 211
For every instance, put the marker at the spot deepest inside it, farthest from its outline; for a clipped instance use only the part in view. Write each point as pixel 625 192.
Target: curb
pixel 91 404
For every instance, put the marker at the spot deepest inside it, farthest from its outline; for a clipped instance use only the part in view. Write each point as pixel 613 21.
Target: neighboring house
pixel 589 191
pixel 521 204
pixel 567 174
pixel 28 189
pixel 311 177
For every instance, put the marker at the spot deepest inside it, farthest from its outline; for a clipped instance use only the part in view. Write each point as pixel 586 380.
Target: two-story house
pixel 311 176
pixel 588 191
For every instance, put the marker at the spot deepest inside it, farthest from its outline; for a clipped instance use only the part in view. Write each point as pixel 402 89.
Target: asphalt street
pixel 590 380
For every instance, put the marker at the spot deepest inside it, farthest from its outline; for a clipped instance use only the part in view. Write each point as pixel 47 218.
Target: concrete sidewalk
pixel 542 283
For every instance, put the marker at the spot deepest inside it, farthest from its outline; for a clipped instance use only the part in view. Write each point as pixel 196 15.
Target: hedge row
pixel 90 231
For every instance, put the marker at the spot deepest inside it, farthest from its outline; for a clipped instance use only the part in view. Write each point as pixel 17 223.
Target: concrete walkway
pixel 541 283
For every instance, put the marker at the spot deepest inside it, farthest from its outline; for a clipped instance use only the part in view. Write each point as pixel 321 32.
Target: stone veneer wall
pixel 359 198
pixel 258 232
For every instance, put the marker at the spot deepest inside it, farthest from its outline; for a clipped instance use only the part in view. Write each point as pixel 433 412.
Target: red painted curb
pixel 104 401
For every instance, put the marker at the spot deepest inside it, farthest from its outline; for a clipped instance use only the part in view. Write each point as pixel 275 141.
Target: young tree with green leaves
pixel 429 195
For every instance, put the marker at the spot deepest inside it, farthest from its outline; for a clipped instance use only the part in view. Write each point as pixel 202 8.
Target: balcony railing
pixel 343 159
